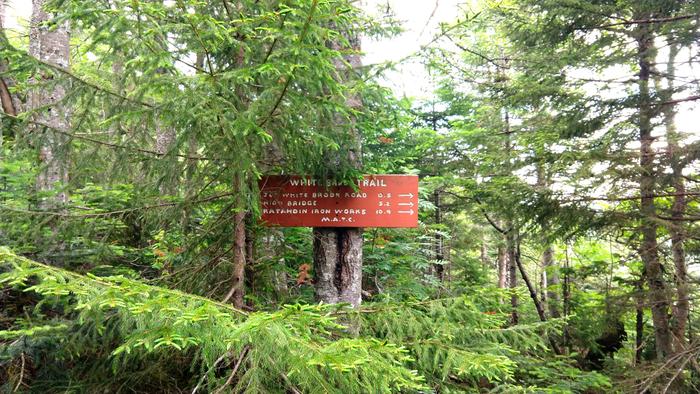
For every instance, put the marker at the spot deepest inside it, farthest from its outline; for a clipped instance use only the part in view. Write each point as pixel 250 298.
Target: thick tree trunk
pixel 649 253
pixel 338 251
pixel 338 265
pixel 50 44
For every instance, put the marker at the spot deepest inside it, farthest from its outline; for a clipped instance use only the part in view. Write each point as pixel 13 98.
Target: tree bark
pixel 682 306
pixel 439 251
pixel 250 237
pixel 552 271
pixel 512 273
pixel 240 233
pixel 502 267
pixel 338 251
pixel 639 320
pixel 165 135
pixel 5 98
pixel 237 292
pixel 338 265
pixel 649 247
pixel 528 283
pixel 484 253
pixel 50 44
pixel 566 293
pixel 192 164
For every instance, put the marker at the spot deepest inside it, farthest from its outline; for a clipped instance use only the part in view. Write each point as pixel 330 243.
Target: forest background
pixel 556 144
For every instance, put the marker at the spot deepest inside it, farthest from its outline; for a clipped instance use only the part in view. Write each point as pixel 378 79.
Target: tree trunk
pixel 639 320
pixel 5 97
pixel 6 100
pixel 3 86
pixel 566 293
pixel 165 135
pixel 240 233
pixel 237 292
pixel 649 247
pixel 528 283
pixel 50 44
pixel 338 251
pixel 552 282
pixel 533 294
pixel 543 287
pixel 338 265
pixel 502 267
pixel 550 275
pixel 439 252
pixel 682 305
pixel 250 237
pixel 512 273
pixel 484 253
pixel 191 168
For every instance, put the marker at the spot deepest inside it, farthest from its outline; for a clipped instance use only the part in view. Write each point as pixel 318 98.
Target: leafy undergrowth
pixel 87 333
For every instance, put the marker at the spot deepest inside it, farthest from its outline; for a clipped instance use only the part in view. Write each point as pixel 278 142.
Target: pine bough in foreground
pixel 409 347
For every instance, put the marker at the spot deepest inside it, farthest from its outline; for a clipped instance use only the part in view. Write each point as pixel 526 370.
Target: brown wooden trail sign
pixel 380 201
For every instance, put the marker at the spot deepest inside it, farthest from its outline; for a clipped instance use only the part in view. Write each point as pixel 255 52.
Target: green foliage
pixel 460 344
pixel 528 145
pixel 298 347
pixel 452 342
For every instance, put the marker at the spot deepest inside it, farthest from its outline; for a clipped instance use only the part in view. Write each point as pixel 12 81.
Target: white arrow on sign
pixel 408 204
pixel 409 212
pixel 409 195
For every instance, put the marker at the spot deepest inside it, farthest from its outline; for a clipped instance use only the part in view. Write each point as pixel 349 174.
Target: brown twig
pixel 244 352
pixel 103 143
pixel 21 374
pixel 112 213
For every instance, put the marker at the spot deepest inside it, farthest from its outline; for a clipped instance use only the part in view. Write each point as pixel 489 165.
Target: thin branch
pixel 112 213
pixel 99 142
pixel 204 376
pixel 21 374
pixel 86 83
pixel 6 98
pixel 646 21
pixel 244 352
pixel 288 81
pixel 482 56
pixel 227 8
pixel 685 99
pixel 106 283
pixel 583 199
pixel 636 22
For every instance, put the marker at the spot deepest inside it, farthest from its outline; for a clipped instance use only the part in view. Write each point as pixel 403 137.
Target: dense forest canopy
pixel 557 248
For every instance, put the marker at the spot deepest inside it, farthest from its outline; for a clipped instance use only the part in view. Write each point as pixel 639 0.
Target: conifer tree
pixel 338 251
pixel 50 44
